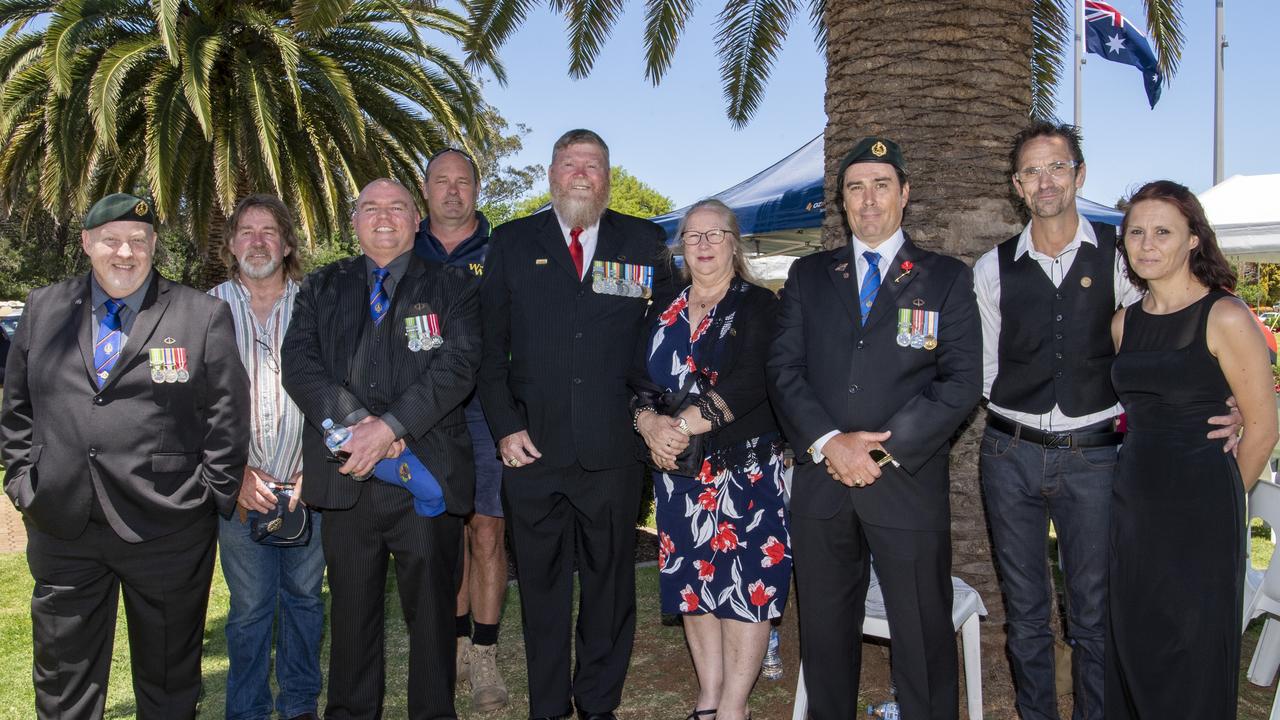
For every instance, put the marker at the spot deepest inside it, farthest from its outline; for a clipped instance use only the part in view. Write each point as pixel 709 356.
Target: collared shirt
pixel 888 250
pixel 986 282
pixel 128 313
pixel 587 238
pixel 468 254
pixel 275 422
pixel 396 268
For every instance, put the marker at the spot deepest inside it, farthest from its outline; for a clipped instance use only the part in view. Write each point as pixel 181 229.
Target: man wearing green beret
pixel 877 361
pixel 124 434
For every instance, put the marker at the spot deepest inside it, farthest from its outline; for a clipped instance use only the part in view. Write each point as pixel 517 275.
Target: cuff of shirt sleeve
pixel 394 424
pixel 355 416
pixel 815 450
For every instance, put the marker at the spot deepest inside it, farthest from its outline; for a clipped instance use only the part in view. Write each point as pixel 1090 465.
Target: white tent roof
pixel 1245 213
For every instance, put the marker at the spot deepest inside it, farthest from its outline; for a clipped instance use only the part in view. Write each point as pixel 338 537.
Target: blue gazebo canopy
pixel 781 207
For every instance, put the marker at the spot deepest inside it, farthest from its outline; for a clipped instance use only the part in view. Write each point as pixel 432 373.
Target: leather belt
pixel 1080 437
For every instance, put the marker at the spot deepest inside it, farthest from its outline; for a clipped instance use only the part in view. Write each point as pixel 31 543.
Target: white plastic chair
pixel 966 607
pixel 1262 594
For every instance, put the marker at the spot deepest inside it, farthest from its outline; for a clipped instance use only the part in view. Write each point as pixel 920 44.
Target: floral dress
pixel 723 542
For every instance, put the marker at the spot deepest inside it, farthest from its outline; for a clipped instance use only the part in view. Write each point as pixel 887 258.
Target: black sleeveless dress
pixel 1177 527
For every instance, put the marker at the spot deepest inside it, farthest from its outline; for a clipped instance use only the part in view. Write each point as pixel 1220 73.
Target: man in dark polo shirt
pixel 455 233
pixel 1047 296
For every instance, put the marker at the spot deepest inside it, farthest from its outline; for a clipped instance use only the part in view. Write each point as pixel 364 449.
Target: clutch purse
pixel 280 527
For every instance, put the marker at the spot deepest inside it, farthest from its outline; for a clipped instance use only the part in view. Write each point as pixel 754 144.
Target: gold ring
pixel 513 462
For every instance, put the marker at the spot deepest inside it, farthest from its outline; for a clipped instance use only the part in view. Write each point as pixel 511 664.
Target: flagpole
pixel 1219 51
pixel 1079 63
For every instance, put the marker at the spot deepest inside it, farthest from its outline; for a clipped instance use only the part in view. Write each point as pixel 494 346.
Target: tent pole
pixel 1219 52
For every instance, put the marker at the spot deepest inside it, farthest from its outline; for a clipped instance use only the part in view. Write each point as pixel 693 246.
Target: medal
pixel 155 359
pixel 412 334
pixel 180 358
pixel 430 325
pixel 930 342
pixel 170 366
pixel 930 329
pixel 904 326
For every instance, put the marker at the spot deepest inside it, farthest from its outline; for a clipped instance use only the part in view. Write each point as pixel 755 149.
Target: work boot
pixel 488 692
pixel 464 660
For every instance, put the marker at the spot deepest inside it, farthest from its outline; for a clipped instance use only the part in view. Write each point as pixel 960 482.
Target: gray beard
pixel 261 271
pixel 579 213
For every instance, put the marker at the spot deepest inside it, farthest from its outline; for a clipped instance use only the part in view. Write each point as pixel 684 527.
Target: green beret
pixel 119 206
pixel 873 150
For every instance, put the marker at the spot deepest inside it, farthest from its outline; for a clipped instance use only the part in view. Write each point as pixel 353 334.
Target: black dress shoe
pixel 584 715
pixel 568 716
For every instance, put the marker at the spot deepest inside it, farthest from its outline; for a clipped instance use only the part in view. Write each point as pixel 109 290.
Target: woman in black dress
pixel 724 551
pixel 1177 525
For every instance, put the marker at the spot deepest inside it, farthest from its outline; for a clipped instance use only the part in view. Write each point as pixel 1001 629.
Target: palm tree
pixel 951 80
pixel 198 102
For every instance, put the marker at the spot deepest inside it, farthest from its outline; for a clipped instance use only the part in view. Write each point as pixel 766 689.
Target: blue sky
pixel 676 138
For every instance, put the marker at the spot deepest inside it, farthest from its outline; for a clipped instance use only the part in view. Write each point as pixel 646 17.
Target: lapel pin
pixel 1086 281
pixel 169 341
pixel 540 261
pixel 841 268
pixel 918 302
pixel 905 267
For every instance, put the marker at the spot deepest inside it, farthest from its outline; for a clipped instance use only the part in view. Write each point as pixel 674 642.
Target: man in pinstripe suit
pixel 347 356
pixel 563 295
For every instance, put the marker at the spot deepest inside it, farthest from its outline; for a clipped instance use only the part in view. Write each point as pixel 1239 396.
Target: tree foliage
pixel 197 102
pixel 627 194
pixel 750 34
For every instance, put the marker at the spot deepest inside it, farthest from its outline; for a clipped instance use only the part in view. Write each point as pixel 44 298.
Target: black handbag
pixel 669 404
pixel 280 527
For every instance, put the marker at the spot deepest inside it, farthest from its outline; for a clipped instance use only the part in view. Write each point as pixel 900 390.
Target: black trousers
pixel 357 545
pixel 73 618
pixel 832 566
pixel 558 517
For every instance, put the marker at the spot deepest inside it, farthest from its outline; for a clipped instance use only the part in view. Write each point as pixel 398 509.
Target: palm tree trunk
pixel 949 81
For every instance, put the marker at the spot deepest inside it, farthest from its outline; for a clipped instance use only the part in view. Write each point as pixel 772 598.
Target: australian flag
pixel 1111 35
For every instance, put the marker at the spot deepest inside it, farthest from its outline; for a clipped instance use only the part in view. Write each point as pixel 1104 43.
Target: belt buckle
pixel 1058 441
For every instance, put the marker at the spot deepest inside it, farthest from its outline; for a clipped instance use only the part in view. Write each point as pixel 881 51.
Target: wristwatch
pixel 684 427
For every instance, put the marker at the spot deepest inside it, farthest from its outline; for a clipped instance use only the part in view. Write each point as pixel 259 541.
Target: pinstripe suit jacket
pixel 556 353
pixel 426 389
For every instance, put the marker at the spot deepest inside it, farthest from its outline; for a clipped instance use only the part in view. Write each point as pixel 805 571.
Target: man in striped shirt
pixel 261 252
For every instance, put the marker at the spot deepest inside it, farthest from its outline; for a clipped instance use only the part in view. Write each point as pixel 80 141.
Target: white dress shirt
pixel 986 281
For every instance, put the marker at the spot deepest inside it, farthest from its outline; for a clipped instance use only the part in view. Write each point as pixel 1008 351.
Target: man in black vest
pixel 1047 296
pixel 557 346
pixel 387 344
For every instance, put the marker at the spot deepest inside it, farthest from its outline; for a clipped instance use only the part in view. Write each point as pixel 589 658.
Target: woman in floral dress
pixel 724 551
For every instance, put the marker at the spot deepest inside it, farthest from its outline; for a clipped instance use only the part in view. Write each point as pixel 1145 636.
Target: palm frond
pixel 590 22
pixel 108 80
pixel 255 88
pixel 317 16
pixel 166 15
pixel 818 21
pixel 1164 23
pixel 492 22
pixel 1051 36
pixel 200 50
pixel 62 39
pixel 749 35
pixel 664 22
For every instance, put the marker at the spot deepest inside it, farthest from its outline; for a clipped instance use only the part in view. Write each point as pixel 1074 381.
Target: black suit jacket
pixel 159 456
pixel 828 372
pixel 428 386
pixel 556 353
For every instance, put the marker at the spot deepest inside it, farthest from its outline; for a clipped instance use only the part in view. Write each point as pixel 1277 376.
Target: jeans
pixel 1026 485
pixel 261 579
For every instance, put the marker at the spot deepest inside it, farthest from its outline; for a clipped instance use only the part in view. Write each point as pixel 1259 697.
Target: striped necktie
pixel 870 284
pixel 379 302
pixel 106 349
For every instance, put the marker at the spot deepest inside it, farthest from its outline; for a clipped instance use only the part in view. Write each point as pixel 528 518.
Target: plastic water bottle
pixel 888 710
pixel 335 436
pixel 771 668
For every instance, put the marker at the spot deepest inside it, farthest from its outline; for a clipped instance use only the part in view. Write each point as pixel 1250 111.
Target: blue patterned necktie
pixel 106 349
pixel 870 284
pixel 378 300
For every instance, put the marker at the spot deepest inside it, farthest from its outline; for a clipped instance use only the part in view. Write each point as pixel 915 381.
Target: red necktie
pixel 575 249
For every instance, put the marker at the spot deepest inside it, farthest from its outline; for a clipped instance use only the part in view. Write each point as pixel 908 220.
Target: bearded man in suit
pixel 877 361
pixel 563 296
pixel 124 435
pixel 388 345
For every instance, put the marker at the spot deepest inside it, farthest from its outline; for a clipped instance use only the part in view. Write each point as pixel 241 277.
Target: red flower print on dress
pixel 754 477
pixel 712 377
pixel 704 473
pixel 725 539
pixel 666 548
pixel 706 571
pixel 708 500
pixel 690 598
pixel 668 317
pixel 702 327
pixel 689 363
pixel 774 552
pixel 760 595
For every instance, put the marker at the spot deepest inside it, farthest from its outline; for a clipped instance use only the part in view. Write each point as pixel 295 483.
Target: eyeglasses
pixel 272 363
pixel 1054 170
pixel 693 237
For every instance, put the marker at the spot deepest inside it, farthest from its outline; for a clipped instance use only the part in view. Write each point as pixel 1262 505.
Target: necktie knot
pixel 873 259
pixel 380 274
pixel 113 307
pixel 575 233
